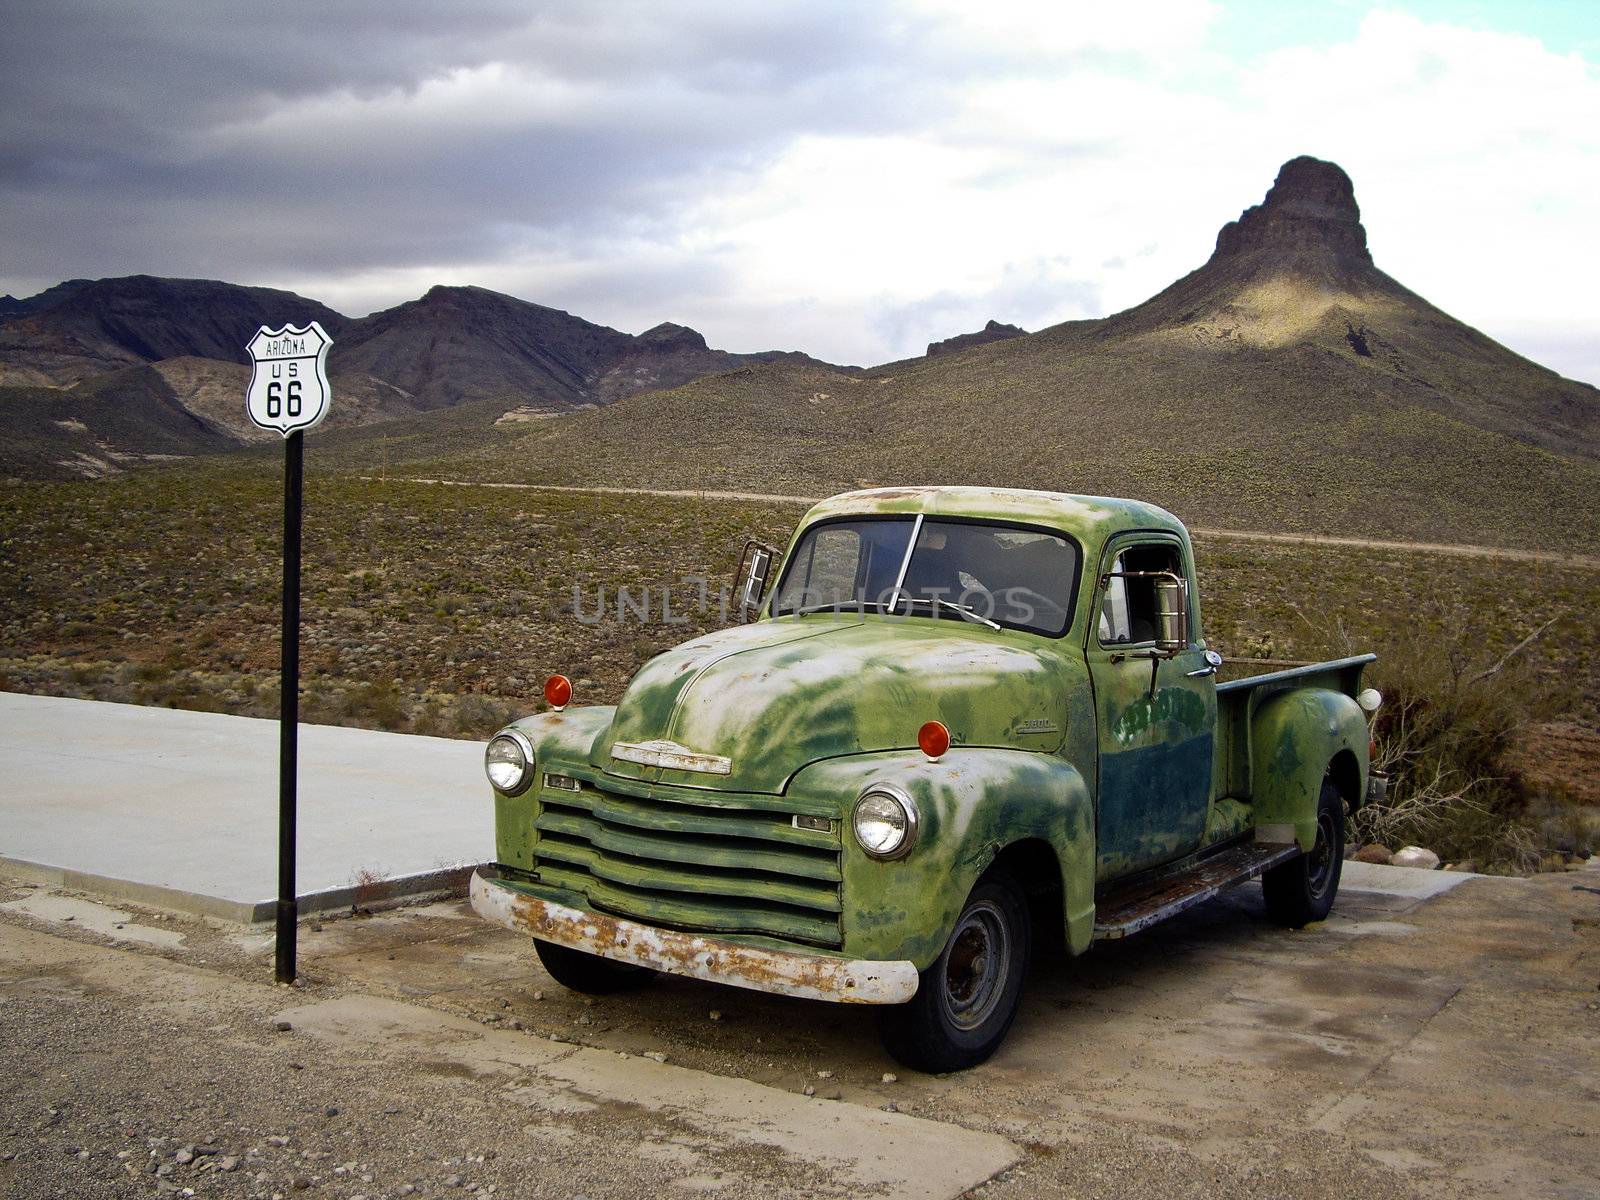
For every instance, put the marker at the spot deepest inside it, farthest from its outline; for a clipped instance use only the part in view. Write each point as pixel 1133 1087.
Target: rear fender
pixel 1297 739
pixel 971 804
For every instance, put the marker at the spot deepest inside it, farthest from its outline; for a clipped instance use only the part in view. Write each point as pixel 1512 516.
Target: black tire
pixel 589 973
pixel 1302 890
pixel 968 998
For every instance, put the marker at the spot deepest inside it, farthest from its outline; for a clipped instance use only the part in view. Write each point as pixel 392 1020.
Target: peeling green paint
pixel 1181 708
pixel 1082 757
pixel 1228 819
pixel 1296 735
pixel 778 694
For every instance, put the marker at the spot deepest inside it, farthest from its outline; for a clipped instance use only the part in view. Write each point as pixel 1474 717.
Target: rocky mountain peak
pixel 994 331
pixel 1310 207
pixel 455 293
pixel 668 336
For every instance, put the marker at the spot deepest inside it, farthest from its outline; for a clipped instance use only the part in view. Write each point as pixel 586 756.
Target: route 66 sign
pixel 288 377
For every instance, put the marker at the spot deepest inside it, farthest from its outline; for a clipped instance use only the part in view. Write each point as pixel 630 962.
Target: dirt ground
pixel 1402 1048
pixel 1562 757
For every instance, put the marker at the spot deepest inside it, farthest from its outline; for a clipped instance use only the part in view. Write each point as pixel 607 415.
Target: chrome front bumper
pixel 788 973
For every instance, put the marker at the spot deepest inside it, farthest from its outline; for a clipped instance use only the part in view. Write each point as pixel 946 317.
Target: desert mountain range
pixel 1286 383
pixel 96 375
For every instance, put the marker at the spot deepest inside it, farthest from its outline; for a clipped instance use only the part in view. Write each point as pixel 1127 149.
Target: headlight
pixel 885 821
pixel 508 761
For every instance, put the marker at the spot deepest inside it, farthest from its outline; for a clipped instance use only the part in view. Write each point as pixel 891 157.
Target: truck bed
pixel 1238 699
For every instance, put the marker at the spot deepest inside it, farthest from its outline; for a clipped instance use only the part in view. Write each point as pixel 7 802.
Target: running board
pixel 1131 909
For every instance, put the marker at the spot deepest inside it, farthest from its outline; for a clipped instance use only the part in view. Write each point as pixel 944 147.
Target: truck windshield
pixel 987 572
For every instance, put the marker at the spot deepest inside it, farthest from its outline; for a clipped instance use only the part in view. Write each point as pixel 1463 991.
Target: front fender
pixel 1295 737
pixel 569 734
pixel 972 804
pixel 565 736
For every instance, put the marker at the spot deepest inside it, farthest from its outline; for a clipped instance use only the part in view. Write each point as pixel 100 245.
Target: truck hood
pixel 772 697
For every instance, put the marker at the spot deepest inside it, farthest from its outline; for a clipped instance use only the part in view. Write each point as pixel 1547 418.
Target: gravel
pixel 195 1095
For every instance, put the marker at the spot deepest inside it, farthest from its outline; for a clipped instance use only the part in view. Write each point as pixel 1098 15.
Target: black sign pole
pixel 289 705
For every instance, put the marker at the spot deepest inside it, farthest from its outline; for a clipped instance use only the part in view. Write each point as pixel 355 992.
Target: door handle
pixel 1213 661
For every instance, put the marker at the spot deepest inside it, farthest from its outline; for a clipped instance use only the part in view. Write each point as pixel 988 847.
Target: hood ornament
pixel 662 753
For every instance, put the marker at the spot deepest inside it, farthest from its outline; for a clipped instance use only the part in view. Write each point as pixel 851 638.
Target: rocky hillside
pixel 1295 271
pixel 83 328
pixel 460 344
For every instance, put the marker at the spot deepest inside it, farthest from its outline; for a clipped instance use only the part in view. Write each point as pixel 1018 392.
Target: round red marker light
pixel 558 691
pixel 934 739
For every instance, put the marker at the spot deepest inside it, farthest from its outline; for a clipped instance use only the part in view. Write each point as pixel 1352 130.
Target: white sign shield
pixel 288 377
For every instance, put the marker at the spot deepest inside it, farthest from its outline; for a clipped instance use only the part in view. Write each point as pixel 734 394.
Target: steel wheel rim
pixel 1319 868
pixel 976 966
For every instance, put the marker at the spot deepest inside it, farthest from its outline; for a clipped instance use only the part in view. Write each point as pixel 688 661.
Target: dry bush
pixel 1563 826
pixel 1452 711
pixel 1415 804
pixel 481 716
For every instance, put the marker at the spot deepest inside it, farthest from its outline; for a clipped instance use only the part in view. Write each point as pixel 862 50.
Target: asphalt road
pixel 1409 1046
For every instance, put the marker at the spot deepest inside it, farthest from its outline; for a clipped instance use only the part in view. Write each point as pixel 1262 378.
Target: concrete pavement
pixel 180 808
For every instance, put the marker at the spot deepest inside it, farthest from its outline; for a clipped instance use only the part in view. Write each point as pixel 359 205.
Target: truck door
pixel 1156 745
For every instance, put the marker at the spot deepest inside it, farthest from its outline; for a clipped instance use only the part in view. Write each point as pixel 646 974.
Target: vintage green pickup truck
pixel 962 722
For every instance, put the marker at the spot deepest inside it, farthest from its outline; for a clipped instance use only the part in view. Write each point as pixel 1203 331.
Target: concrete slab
pixel 180 809
pixel 1411 882
pixel 109 922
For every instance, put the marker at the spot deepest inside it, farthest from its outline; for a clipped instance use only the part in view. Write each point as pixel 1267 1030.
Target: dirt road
pixel 1459 550
pixel 1405 1047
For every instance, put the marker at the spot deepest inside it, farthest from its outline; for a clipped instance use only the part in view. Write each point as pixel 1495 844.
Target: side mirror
pixel 754 567
pixel 1172 614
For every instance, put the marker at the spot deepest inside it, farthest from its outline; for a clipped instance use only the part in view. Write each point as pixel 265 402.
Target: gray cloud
pixel 157 136
pixel 1033 295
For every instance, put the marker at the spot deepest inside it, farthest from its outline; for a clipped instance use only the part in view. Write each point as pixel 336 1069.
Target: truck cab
pixel 963 720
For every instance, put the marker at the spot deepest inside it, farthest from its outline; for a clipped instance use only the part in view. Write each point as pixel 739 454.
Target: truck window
pixel 1128 607
pixel 843 563
pixel 1014 575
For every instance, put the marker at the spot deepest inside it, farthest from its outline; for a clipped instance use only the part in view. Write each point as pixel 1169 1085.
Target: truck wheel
pixel 589 973
pixel 967 999
pixel 1302 890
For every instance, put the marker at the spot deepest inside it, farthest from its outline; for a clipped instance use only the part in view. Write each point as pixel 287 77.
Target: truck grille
pixel 687 863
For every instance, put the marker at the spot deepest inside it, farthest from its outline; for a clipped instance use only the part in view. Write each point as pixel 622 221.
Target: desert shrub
pixel 374 706
pixel 1452 710
pixel 1563 826
pixel 142 672
pixel 431 718
pixel 481 716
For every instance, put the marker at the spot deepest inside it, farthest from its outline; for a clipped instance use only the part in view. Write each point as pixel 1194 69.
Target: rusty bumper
pixel 788 973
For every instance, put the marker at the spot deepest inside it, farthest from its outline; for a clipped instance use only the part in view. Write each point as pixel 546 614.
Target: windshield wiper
pixel 966 610
pixel 837 606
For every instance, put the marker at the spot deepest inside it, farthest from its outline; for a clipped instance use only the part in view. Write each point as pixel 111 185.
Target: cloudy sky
pixel 853 179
